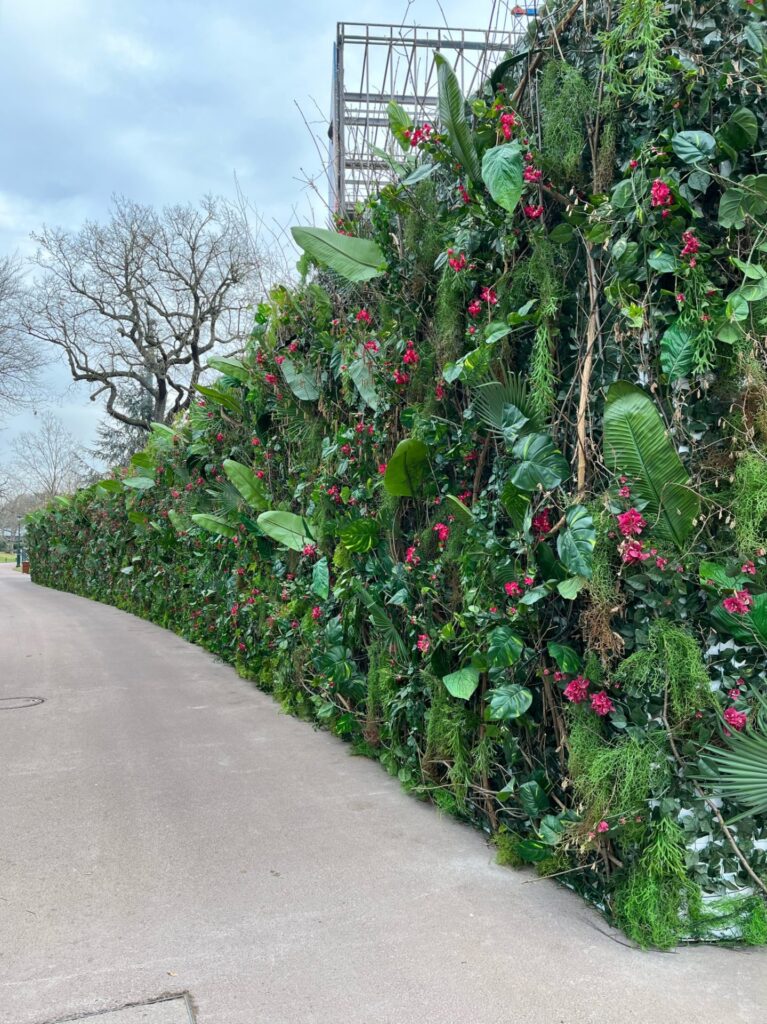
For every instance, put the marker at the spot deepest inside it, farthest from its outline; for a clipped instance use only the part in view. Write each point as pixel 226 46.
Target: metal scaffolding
pixel 373 64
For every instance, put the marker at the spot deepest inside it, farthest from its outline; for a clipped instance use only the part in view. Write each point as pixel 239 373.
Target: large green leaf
pixel 362 376
pixel 516 503
pixel 740 131
pixel 452 116
pixel 300 382
pixel 399 122
pixel 139 483
pixel 693 147
pixel 360 535
pixel 542 465
pixel 230 368
pixel 356 259
pixel 462 683
pixel 738 771
pixel 502 173
pixel 214 524
pixel 677 350
pixel 508 702
pixel 221 397
pixel 381 621
pixel 746 629
pixel 748 199
pixel 247 483
pixel 576 542
pixel 321 579
pixel 504 647
pixel 406 468
pixel 566 658
pixel 286 528
pixel 637 445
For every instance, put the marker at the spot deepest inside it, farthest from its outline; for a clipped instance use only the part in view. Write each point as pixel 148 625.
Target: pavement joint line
pixel 93 1014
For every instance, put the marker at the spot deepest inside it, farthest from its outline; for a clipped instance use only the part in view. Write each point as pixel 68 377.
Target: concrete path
pixel 165 829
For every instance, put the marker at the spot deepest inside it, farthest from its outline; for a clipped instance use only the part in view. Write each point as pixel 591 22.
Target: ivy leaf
pixel 321 579
pixel 533 798
pixel 285 528
pixel 508 702
pixel 504 647
pixel 406 468
pixel 502 174
pixel 542 464
pixel 693 147
pixel 356 259
pixel 463 683
pixel 677 350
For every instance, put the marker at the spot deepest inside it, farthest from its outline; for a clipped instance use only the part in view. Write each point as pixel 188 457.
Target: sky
pixel 164 101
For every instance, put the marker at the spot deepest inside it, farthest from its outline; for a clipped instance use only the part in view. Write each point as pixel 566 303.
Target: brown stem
pixel 489 797
pixel 592 332
pixel 535 62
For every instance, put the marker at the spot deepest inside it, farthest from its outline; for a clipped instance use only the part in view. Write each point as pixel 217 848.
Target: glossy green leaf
pixel 359 536
pixel 740 131
pixel 321 579
pixel 502 168
pixel 248 484
pixel 300 382
pixel 541 464
pixel 677 350
pixel 214 524
pixel 463 683
pixel 355 259
pixel 576 542
pixel 693 147
pixel 508 702
pixel 361 375
pixel 399 122
pixel 230 368
pixel 289 530
pixel 218 396
pixel 567 660
pixel 451 108
pixel 406 468
pixel 504 647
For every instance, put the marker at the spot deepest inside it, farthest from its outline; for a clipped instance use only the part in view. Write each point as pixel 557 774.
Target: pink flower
pixel 734 693
pixel 241 646
pixel 631 522
pixel 691 244
pixel 363 317
pixel 260 474
pixel 423 643
pixel 508 121
pixel 529 581
pixel 601 703
pixel 400 377
pixel 234 609
pixel 661 562
pixel 541 522
pixel 680 297
pixel 739 603
pixel 634 553
pixel 488 295
pixel 270 378
pixel 512 589
pixel 411 557
pixel 749 568
pixel 410 356
pixel 624 492
pixel 633 164
pixel 371 346
pixel 532 212
pixel 442 532
pixel 737 719
pixel 439 391
pixel 382 468
pixel 603 827
pixel 531 174
pixel 219 437
pixel 660 194
pixel 310 550
pixel 464 194
pixel 474 308
pixel 457 263
pixel 316 612
pixel 577 690
pixel 279 360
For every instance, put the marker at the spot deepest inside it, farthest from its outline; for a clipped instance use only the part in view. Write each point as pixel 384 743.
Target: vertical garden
pixel 486 495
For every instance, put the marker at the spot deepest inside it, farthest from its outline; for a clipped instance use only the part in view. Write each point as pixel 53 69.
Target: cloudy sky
pixel 164 101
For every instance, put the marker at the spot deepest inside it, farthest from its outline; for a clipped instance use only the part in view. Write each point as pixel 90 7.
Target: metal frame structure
pixel 375 63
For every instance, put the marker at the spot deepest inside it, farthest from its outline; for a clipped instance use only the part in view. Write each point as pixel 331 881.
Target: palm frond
pixel 738 771
pixel 491 399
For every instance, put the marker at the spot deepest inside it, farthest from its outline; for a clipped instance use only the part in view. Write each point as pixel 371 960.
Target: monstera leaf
pixel 502 174
pixel 575 544
pixel 247 483
pixel 360 536
pixel 356 259
pixel 287 529
pixel 636 444
pixel 406 468
pixel 452 116
pixel 462 683
pixel 542 465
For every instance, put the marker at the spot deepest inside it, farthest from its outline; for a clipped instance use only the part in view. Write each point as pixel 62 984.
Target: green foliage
pixel 637 64
pixel 750 503
pixel 356 259
pixel 566 98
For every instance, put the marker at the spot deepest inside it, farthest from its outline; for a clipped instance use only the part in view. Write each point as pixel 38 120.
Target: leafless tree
pixel 141 302
pixel 21 359
pixel 48 460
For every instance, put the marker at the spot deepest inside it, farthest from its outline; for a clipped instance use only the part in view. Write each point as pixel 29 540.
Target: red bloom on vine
pixel 634 553
pixel 533 212
pixel 316 612
pixel 442 532
pixel 631 522
pixel 410 356
pixel 423 643
pixel 624 492
pixel 541 522
pixel 691 244
pixel 219 437
pixel 439 391
pixel 270 378
pixel 660 193
pixel 601 703
pixel 508 121
pixel 737 719
pixel 371 346
pixel 363 317
pixel 739 604
pixel 532 174
pixel 512 589
pixel 474 308
pixel 488 295
pixel 456 262
pixel 577 690
pixel 603 827
pixel 411 558
pixel 400 377
pixel 310 550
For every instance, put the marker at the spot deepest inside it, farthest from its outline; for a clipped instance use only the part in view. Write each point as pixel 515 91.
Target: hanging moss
pixel 604 172
pixel 541 379
pixel 657 898
pixel 565 98
pixel 671 661
pixel 449 317
pixel 610 779
pixel 750 503
pixel 447 741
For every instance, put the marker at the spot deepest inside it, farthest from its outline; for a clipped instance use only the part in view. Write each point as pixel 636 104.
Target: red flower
pixel 456 262
pixel 531 174
pixel 363 317
pixel 382 468
pixel 400 377
pixel 512 589
pixel 737 719
pixel 488 295
pixel 577 690
pixel 533 212
pixel 631 522
pixel 691 245
pixel 316 612
pixel 508 121
pixel 219 437
pixel 749 568
pixel 310 550
pixel 660 194
pixel 603 827
pixel 411 357
pixel 541 522
pixel 634 553
pixel 442 532
pixel 270 378
pixel 423 643
pixel 474 308
pixel 411 558
pixel 739 604
pixel 601 703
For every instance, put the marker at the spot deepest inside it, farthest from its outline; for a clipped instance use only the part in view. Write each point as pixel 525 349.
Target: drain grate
pixel 15 703
pixel 167 1010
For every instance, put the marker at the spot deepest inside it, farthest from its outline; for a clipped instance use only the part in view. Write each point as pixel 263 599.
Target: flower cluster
pixel 739 604
pixel 415 136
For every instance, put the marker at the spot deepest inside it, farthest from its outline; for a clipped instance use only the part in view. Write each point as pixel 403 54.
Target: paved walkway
pixel 165 829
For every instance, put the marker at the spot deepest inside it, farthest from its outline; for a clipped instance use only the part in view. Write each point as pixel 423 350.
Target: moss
pixel 657 897
pixel 557 863
pixel 542 380
pixel 672 662
pixel 741 918
pixel 565 98
pixel 506 846
pixel 447 752
pixel 750 503
pixel 449 318
pixel 610 779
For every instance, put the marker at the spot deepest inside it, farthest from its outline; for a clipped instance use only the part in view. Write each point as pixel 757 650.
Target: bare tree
pixel 20 357
pixel 139 303
pixel 48 460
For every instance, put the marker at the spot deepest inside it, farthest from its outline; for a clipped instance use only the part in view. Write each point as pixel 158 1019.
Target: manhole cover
pixel 14 703
pixel 175 1010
